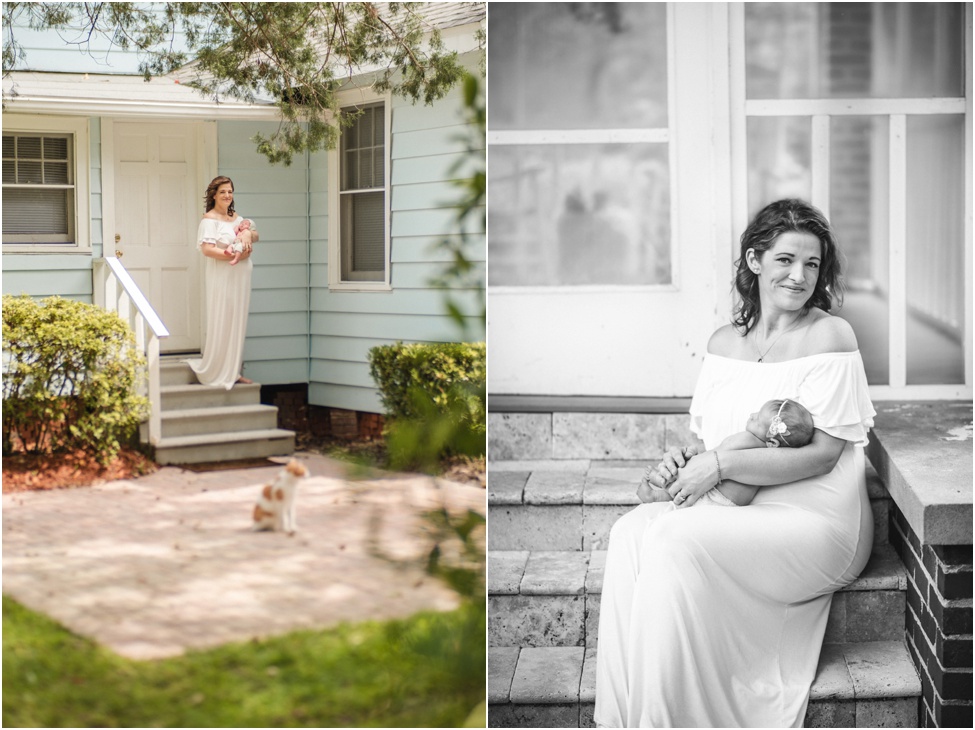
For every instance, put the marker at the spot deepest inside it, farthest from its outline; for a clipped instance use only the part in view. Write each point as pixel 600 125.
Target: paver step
pixel 176 372
pixel 225 446
pixel 187 396
pixel 218 419
pixel 571 505
pixel 551 598
pixel 871 684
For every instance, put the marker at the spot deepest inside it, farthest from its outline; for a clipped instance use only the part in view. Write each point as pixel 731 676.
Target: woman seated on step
pixel 715 618
pixel 227 241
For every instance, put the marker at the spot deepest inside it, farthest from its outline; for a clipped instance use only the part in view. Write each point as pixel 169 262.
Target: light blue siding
pixel 276 198
pixel 427 144
pixel 67 275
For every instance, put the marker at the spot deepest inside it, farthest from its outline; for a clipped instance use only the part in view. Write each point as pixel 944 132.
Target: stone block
pixel 520 436
pixel 555 573
pixel 566 715
pixel 534 527
pixel 678 432
pixel 548 676
pixel 836 622
pixel 597 567
pixel 875 615
pixel 884 571
pixel 506 487
pixel 881 670
pixel 501 670
pixel 893 712
pixel 587 712
pixel 607 435
pixel 830 713
pixel 597 521
pixel 832 681
pixel 554 487
pixel 579 466
pixel 536 621
pixel 592 620
pixel 612 486
pixel 587 686
pixel 505 571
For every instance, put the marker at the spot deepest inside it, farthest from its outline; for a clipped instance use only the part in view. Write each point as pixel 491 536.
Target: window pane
pixel 363 236
pixel 56 173
pixel 843 50
pixel 363 152
pixel 579 214
pixel 859 213
pixel 578 65
pixel 35 211
pixel 29 148
pixel 778 160
pixel 55 148
pixel 935 250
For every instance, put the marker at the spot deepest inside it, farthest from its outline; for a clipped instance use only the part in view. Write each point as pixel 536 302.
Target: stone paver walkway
pixel 158 565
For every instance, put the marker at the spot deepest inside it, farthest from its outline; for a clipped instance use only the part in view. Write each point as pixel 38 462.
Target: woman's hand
pixel 695 478
pixel 674 459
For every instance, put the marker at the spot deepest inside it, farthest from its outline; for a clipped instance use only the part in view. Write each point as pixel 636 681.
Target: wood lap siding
pixel 345 325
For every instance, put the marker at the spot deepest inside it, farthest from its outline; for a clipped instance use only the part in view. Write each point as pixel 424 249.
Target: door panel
pixel 156 216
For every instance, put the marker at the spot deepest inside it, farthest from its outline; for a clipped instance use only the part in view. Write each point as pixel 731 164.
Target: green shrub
pixel 70 377
pixel 434 395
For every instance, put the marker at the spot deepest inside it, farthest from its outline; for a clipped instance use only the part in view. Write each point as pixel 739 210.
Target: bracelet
pixel 718 464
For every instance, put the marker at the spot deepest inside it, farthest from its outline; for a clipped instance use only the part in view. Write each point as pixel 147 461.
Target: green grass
pixel 425 671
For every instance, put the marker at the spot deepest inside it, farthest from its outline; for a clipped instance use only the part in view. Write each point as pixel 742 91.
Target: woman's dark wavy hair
pixel 211 193
pixel 771 222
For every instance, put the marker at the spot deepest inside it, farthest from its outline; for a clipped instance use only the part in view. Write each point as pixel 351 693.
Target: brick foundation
pixel 939 624
pixel 296 414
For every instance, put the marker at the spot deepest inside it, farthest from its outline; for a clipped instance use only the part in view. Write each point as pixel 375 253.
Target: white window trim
pixel 335 282
pixel 819 111
pixel 77 126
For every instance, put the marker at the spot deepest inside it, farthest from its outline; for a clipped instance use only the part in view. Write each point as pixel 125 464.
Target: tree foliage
pixel 297 53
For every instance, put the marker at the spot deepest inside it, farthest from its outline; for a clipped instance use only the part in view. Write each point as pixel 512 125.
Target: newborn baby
pixel 777 423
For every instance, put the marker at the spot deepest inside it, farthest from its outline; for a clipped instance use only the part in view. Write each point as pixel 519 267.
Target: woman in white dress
pixel 227 278
pixel 714 617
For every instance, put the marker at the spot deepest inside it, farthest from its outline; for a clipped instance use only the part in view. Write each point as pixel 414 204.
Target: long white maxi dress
pixel 228 296
pixel 714 616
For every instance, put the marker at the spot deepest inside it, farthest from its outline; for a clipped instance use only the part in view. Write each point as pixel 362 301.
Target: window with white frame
pixel 362 255
pixel 45 172
pixel 580 179
pixel 860 108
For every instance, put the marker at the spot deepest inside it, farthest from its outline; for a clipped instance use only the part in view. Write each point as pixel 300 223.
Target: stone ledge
pixel 923 453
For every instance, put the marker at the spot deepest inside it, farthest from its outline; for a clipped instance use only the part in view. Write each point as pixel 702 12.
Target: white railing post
pixel 115 290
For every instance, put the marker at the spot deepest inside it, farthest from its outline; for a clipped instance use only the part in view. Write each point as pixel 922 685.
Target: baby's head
pixel 244 225
pixel 781 423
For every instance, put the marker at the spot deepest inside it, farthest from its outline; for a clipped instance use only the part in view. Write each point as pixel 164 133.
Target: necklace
pixel 761 355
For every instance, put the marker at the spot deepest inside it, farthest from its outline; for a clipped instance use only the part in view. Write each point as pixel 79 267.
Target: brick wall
pixel 939 624
pixel 295 414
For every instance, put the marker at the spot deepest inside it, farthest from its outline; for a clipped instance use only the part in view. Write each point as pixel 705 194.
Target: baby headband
pixel 777 429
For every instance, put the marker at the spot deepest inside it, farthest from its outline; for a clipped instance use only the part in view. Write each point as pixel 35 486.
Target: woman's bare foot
pixel 244 381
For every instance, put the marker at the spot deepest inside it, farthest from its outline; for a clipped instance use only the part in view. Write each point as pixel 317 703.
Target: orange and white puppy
pixel 275 509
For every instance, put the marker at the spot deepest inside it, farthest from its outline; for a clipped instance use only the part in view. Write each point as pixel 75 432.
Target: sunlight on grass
pixel 425 671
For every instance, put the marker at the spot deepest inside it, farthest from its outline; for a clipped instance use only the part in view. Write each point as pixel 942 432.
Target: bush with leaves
pixel 434 395
pixel 71 377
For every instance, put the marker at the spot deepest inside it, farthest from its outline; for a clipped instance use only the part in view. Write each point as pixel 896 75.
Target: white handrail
pixel 116 291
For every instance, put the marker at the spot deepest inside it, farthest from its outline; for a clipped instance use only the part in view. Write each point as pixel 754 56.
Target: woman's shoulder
pixel 725 341
pixel 828 333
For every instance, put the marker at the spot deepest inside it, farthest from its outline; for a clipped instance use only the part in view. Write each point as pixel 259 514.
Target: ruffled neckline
pixel 784 362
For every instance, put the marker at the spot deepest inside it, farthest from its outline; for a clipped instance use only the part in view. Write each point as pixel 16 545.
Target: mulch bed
pixel 29 472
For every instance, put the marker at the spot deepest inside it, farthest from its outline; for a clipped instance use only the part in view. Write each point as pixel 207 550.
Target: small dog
pixel 275 509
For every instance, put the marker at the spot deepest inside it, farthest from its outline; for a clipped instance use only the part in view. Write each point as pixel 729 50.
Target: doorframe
pixel 206 170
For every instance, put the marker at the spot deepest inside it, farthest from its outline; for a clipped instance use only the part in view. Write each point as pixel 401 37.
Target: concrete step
pixel 176 372
pixel 572 504
pixel 871 684
pixel 190 396
pixel 225 446
pixel 218 419
pixel 551 598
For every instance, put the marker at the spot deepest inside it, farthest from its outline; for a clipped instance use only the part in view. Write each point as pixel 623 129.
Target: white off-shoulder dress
pixel 714 617
pixel 228 295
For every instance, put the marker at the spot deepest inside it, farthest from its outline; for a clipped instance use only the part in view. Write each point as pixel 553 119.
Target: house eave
pixel 25 104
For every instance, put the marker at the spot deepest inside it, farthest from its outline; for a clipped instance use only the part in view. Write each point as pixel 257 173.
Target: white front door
pixel 158 204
